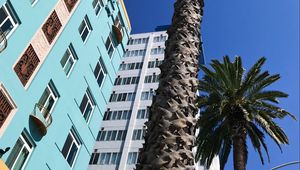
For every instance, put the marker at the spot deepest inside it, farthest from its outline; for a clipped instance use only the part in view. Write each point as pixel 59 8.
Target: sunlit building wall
pixel 58 63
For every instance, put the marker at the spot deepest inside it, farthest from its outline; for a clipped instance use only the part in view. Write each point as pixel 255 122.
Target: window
pixel 33 2
pixel 87 105
pixel 98 5
pixel 132 158
pixel 71 147
pixel 158 50
pixel 8 19
pixel 138 41
pixel 138 134
pixel 100 72
pixel 130 66
pixel 122 115
pixel 85 28
pixel 121 97
pixel 153 64
pixel 21 152
pixel 107 158
pixel 69 59
pixel 161 38
pixel 118 21
pixel 109 44
pixel 143 114
pixel 111 135
pixel 48 100
pixel 151 78
pixel 147 95
pixel 126 80
pixel 135 53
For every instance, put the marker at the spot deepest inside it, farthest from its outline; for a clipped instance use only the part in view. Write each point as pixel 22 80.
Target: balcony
pixel 3 41
pixel 117 29
pixel 41 118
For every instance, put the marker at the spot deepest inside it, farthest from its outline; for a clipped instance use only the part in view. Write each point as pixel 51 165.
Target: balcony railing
pixel 3 41
pixel 41 117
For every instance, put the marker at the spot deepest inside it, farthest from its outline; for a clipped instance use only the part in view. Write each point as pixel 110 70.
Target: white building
pixel 122 128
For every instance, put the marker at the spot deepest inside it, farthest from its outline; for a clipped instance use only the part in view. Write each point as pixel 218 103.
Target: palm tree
pixel 233 106
pixel 170 130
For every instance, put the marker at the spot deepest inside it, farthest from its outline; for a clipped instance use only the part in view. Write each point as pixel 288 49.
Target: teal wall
pixel 66 112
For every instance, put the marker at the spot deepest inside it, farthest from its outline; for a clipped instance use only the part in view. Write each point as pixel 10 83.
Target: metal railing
pixel 43 114
pixel 3 41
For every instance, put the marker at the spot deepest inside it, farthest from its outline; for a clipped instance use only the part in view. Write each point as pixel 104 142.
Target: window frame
pixel 28 144
pixel 110 46
pixel 76 140
pixel 33 2
pixel 100 4
pixel 90 101
pixel 86 26
pixel 53 94
pixel 11 16
pixel 102 69
pixel 72 56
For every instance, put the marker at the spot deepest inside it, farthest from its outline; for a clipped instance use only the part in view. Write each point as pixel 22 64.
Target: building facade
pixel 122 130
pixel 58 63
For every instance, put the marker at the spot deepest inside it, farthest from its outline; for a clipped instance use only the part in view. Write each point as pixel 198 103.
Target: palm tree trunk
pixel 240 149
pixel 170 130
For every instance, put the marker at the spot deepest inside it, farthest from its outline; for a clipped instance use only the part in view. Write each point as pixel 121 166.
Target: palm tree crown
pixel 235 106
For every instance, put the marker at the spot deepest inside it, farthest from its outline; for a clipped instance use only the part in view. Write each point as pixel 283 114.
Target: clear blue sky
pixel 250 29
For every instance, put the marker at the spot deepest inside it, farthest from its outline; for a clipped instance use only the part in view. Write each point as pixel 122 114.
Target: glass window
pixel 118 22
pixel 100 72
pixel 108 136
pixel 8 19
pixel 33 2
pixel 87 105
pixel 21 152
pixel 109 45
pixel 68 60
pixel 134 134
pixel 103 134
pixel 113 159
pixel 113 97
pixel 132 158
pixel 48 100
pixel 145 96
pixel 114 115
pixel 102 158
pixel 113 135
pixel 119 136
pixel 71 147
pixel 85 28
pixel 97 5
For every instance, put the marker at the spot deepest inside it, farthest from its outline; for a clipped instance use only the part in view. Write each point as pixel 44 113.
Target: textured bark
pixel 170 130
pixel 239 144
pixel 239 150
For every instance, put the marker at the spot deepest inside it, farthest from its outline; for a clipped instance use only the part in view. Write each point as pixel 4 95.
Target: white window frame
pixel 9 17
pixel 77 142
pixel 111 45
pixel 72 57
pixel 100 4
pixel 25 139
pixel 90 101
pixel 51 94
pixel 33 2
pixel 86 26
pixel 102 69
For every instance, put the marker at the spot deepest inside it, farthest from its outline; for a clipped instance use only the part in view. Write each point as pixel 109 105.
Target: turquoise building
pixel 58 63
